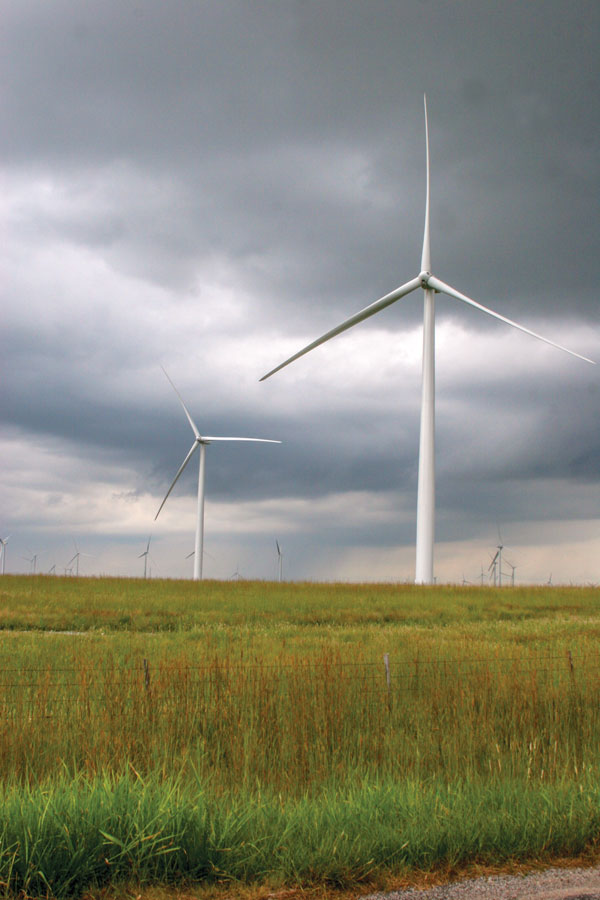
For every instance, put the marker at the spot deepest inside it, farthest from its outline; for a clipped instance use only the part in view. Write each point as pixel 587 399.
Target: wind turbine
pixel 75 558
pixel 201 442
pixel 33 560
pixel 145 555
pixel 3 543
pixel 512 574
pixel 493 566
pixel 431 285
pixel 500 548
pixel 279 561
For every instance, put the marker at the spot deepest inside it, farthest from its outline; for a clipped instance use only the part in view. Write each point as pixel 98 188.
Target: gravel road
pixel 553 884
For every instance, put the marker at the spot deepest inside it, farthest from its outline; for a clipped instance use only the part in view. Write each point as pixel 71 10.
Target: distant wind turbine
pixel 75 558
pixel 279 561
pixel 145 555
pixel 33 560
pixel 512 574
pixel 201 442
pixel 3 543
pixel 493 565
pixel 499 555
pixel 431 285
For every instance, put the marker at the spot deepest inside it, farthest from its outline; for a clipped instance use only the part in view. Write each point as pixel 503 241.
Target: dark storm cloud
pixel 293 143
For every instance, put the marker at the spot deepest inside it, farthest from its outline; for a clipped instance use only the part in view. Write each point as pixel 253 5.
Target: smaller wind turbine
pixel 482 576
pixel 33 560
pixel 201 442
pixel 237 575
pixel 499 555
pixel 512 574
pixel 3 543
pixel 493 566
pixel 145 555
pixel 75 559
pixel 549 582
pixel 279 561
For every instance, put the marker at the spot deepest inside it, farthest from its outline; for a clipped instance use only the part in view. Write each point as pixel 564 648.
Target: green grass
pixel 117 604
pixel 261 741
pixel 74 836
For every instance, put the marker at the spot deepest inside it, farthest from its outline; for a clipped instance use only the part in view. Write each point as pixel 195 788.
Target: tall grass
pixel 76 835
pixel 294 727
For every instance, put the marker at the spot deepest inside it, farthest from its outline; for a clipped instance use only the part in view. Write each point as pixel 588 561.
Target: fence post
pixel 571 666
pixel 146 676
pixel 388 679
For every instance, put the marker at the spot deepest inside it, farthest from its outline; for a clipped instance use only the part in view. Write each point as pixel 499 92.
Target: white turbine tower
pixel 201 442
pixel 431 285
pixel 145 555
pixel 493 565
pixel 3 543
pixel 279 561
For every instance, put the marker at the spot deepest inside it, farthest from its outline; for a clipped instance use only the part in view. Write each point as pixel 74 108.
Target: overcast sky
pixel 208 186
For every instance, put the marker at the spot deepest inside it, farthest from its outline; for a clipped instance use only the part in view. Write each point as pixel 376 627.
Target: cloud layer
pixel 208 187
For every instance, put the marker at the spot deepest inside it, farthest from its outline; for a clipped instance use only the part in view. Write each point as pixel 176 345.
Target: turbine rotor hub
pixel 424 277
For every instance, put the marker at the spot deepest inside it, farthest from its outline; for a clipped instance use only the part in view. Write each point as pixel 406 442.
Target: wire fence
pixel 47 690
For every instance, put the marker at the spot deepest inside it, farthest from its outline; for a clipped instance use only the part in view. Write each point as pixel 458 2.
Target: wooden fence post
pixel 388 678
pixel 571 666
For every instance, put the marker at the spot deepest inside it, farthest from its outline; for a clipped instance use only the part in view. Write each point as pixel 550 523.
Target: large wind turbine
pixel 201 442
pixel 431 285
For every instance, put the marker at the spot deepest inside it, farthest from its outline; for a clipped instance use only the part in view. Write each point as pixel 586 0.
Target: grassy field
pixel 251 732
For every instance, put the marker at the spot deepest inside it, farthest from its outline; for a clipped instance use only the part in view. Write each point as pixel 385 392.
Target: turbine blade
pixel 426 255
pixel 176 479
pixel 185 409
pixel 444 288
pixel 353 320
pixel 278 548
pixel 259 440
